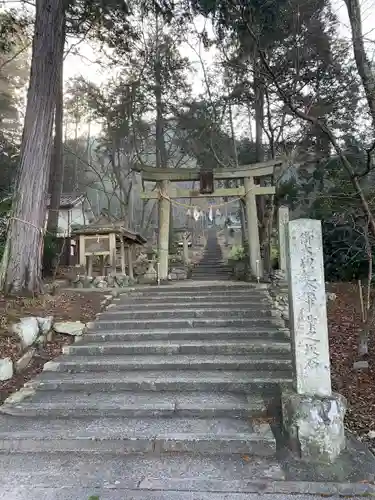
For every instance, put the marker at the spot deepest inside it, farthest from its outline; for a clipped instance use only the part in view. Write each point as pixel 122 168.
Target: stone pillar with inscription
pixel 283 219
pixel 313 416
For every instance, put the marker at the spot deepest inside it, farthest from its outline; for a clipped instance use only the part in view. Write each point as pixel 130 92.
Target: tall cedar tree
pixel 21 264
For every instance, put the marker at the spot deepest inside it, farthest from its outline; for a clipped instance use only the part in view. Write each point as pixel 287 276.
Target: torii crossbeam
pixel 249 191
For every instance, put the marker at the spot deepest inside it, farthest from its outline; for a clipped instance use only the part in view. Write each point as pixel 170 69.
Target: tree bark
pixel 161 150
pixel 57 167
pixel 364 66
pixel 259 156
pixel 21 264
pixel 239 182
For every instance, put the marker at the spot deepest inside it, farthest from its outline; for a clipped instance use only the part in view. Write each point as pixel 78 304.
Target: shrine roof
pixel 68 200
pixel 104 225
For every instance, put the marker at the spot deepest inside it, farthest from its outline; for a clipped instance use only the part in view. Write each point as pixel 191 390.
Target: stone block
pixel 6 369
pixel 24 361
pixel 73 328
pixel 120 280
pixel 315 425
pixel 45 324
pixel 27 330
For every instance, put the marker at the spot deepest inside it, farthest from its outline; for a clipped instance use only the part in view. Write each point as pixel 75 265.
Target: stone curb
pixel 202 489
pixel 261 487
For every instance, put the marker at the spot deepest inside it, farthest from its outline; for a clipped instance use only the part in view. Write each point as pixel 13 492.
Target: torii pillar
pixel 164 220
pixel 252 227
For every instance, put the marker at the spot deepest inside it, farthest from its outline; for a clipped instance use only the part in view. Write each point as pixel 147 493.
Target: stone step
pixel 120 363
pixel 126 436
pixel 211 270
pixel 212 267
pixel 211 322
pixel 212 262
pixel 197 300
pixel 208 265
pixel 188 312
pixel 190 287
pixel 163 293
pixel 190 347
pixel 180 295
pixel 212 258
pixel 271 334
pixel 137 405
pixel 170 381
pixel 177 476
pixel 212 277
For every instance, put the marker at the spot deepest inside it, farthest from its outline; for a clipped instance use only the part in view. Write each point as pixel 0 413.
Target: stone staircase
pixel 192 367
pixel 212 265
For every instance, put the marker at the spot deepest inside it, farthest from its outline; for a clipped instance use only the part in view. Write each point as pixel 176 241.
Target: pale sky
pixel 84 63
pixel 81 65
pixel 368 21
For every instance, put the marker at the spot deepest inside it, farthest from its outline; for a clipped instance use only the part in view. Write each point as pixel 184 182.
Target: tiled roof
pixel 68 200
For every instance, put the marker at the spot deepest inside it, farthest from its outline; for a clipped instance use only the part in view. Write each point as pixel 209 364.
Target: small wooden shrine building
pixel 110 241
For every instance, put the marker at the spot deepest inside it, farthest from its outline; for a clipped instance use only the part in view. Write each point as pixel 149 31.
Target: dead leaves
pixel 66 306
pixel 344 322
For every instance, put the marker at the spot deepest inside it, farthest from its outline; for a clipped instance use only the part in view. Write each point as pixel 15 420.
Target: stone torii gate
pixel 167 191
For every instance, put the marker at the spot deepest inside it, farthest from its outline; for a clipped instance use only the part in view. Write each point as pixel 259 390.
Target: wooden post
pixel 112 251
pixel 122 248
pixel 102 265
pixel 283 219
pixel 90 259
pixel 130 262
pixel 163 243
pixel 185 249
pixel 82 257
pixel 252 227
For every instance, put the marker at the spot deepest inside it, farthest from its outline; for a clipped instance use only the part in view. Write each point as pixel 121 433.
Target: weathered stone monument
pixel 313 416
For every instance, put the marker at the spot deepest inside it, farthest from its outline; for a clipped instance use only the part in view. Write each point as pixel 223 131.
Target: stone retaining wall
pixel 123 281
pixel 278 290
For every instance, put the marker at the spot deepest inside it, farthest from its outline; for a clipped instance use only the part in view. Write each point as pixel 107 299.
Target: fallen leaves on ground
pixel 65 306
pixel 358 386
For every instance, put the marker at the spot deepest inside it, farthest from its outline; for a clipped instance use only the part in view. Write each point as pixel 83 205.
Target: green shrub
pixel 237 252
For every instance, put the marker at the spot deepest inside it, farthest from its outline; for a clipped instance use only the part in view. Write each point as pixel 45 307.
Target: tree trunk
pixel 57 168
pixel 239 182
pixel 161 150
pixel 259 114
pixel 364 66
pixel 21 264
pixel 259 153
pixel 242 208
